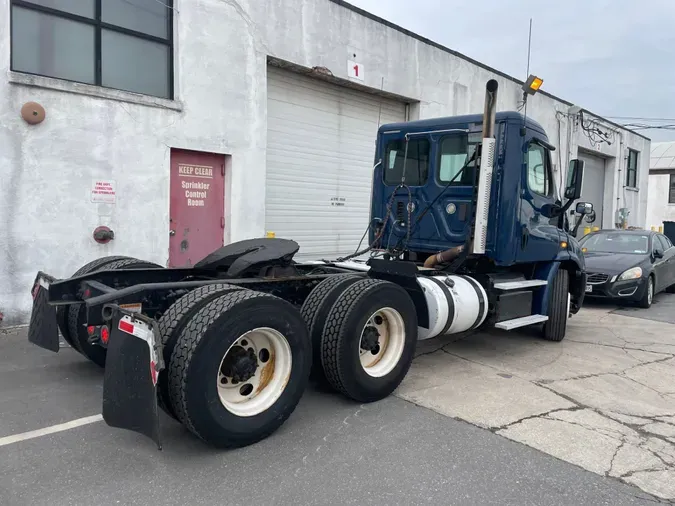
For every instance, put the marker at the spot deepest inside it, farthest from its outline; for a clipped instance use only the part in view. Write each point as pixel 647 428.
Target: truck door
pixel 539 236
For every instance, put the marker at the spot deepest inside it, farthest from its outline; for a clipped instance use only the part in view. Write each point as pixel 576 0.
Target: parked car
pixel 628 265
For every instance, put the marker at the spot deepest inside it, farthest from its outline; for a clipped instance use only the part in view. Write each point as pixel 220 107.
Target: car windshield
pixel 616 243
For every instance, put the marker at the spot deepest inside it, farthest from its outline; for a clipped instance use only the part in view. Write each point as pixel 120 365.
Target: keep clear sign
pixel 196 192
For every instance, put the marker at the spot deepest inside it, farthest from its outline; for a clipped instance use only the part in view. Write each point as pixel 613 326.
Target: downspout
pixel 620 191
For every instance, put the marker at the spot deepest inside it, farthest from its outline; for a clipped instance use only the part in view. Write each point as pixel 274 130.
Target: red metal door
pixel 197 206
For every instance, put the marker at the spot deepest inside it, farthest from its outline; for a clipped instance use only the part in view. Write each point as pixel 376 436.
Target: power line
pixel 639 118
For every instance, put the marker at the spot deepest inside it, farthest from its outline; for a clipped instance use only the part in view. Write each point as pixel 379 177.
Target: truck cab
pixel 426 194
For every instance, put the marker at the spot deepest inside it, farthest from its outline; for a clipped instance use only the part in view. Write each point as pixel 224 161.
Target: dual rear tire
pixel 236 363
pixel 364 335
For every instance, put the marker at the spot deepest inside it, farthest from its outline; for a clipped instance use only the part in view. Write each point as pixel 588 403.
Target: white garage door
pixel 320 152
pixel 594 187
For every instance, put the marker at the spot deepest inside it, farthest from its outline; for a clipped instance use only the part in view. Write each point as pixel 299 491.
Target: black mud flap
pixel 133 361
pixel 43 330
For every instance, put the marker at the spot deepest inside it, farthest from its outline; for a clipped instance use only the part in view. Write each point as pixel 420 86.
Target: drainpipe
pixel 619 184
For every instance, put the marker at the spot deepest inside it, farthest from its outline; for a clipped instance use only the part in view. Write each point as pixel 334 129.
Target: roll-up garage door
pixel 320 152
pixel 594 187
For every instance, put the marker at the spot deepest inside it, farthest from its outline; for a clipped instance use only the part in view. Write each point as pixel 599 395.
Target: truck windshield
pixel 616 242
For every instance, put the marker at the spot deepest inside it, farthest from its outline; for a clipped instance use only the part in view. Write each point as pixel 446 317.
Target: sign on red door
pixel 197 206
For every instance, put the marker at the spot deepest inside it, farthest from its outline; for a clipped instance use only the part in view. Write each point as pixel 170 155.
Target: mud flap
pixel 133 361
pixel 43 330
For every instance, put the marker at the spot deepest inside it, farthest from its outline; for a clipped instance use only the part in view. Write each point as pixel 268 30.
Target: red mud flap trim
pixel 133 360
pixel 43 330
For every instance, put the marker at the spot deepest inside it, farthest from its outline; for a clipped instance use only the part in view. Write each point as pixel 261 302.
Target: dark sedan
pixel 629 265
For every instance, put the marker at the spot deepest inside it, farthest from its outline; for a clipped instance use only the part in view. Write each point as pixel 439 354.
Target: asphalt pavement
pixel 331 451
pixel 662 310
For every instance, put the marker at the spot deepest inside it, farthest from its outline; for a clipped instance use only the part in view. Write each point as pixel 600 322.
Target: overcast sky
pixel 612 57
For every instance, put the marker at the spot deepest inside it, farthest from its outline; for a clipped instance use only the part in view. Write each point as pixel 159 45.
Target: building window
pixel 121 44
pixel 671 189
pixel 631 169
pixel 538 170
pixel 416 162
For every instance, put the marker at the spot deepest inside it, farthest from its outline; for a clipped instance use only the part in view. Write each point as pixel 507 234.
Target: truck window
pixel 538 170
pixel 455 150
pixel 416 165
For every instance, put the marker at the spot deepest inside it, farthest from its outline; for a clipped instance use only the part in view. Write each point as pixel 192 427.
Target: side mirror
pixel 575 179
pixel 590 217
pixel 584 208
pixel 658 253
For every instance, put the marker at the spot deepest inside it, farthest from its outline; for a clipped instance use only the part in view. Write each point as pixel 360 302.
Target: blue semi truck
pixel 468 230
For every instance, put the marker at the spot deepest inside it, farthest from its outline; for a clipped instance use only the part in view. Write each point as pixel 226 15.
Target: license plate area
pixel 589 288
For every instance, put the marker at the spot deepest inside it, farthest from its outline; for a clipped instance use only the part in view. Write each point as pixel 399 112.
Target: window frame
pixel 402 140
pixel 671 188
pixel 439 156
pixel 547 169
pixel 99 26
pixel 633 170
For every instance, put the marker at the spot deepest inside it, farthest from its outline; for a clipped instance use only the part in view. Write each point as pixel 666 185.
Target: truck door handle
pixel 172 232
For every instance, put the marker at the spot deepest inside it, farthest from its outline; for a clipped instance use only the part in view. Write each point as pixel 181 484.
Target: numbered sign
pixel 355 70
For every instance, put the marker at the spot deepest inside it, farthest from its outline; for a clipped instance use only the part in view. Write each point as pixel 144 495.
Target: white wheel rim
pixel 650 291
pixel 390 338
pixel 255 394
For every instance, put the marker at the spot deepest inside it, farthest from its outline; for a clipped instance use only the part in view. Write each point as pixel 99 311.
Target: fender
pixel 574 263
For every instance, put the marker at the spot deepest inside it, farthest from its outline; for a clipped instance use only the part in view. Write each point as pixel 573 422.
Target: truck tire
pixel 239 368
pixel 369 340
pixel 555 327
pixel 315 310
pixel 77 323
pixel 172 323
pixel 62 311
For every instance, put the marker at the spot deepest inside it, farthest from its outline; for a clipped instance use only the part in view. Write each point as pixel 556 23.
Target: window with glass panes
pixel 632 169
pixel 121 44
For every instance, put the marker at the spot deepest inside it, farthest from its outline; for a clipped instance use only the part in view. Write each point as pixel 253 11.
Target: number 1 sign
pixel 355 70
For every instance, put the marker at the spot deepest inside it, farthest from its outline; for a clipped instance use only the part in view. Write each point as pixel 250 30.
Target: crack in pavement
pixel 611 462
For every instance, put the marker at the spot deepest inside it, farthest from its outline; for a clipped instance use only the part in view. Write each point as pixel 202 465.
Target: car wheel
pixel 648 297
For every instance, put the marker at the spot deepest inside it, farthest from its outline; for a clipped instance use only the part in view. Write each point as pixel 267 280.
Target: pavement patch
pixel 567 441
pixel 602 399
pixel 475 393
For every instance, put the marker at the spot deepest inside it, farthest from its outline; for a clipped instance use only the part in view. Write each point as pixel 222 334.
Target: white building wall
pixel 221 52
pixel 615 152
pixel 658 208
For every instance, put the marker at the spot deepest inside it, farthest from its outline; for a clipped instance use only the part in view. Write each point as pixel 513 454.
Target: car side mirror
pixel 575 179
pixel 584 208
pixel 658 253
